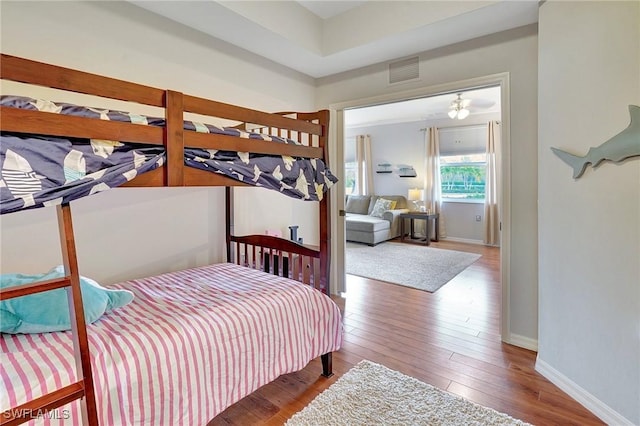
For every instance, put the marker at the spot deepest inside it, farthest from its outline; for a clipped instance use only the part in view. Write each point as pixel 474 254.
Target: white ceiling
pixel 321 38
pixel 485 105
pixel 329 9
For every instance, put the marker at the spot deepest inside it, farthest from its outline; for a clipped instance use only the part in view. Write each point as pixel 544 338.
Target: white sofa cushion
pixel 366 223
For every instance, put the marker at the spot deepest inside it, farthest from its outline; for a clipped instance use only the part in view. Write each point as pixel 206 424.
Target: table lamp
pixel 415 195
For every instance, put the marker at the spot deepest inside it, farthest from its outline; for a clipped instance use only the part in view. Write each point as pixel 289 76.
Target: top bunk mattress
pixel 191 343
pixel 42 170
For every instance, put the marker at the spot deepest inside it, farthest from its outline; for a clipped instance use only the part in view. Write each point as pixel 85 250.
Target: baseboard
pixel 522 342
pixel 588 401
pixel 463 240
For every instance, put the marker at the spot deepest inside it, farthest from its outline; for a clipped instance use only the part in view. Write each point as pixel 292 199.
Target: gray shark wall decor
pixel 625 144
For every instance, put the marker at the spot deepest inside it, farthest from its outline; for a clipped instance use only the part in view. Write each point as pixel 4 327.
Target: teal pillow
pixel 49 310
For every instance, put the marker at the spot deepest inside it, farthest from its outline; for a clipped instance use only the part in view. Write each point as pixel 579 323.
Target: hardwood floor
pixel 450 339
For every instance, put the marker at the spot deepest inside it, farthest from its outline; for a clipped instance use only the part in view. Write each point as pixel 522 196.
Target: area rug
pixel 422 267
pixel 372 394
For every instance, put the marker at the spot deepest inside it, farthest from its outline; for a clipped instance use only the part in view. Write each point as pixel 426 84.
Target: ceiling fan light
pixel 458 108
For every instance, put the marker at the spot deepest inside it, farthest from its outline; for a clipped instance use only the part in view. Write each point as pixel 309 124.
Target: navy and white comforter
pixel 40 170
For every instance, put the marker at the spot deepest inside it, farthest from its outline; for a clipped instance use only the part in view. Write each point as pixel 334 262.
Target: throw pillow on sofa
pixel 381 206
pixel 358 204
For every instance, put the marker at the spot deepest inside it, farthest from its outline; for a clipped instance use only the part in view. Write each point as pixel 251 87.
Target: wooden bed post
pixel 327 364
pixel 325 246
pixel 325 235
pixel 325 211
pixel 174 138
pixel 76 311
pixel 228 209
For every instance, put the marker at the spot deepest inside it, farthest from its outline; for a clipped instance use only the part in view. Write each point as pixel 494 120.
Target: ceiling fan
pixel 459 108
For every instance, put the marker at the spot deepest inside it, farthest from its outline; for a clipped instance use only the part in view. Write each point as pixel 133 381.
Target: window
pixel 350 176
pixel 463 162
pixel 463 176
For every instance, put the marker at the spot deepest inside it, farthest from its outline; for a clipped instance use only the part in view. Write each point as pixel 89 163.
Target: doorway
pixel 342 130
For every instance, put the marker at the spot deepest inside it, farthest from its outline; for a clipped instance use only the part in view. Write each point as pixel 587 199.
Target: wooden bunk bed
pixel 278 256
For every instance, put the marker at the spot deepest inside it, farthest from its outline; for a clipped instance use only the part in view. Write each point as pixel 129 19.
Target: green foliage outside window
pixel 463 181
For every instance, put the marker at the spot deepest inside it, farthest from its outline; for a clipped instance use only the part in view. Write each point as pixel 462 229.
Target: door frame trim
pixel 336 156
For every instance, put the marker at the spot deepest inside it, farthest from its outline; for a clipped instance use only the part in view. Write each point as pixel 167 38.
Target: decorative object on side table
pixel 416 195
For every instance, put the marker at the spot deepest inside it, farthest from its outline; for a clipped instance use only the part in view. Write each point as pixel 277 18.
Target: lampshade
pixel 463 113
pixel 415 194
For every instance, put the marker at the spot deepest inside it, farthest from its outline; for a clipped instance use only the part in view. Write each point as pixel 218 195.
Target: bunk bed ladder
pixel 82 389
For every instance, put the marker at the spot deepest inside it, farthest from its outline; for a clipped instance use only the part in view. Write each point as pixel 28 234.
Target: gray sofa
pixel 364 225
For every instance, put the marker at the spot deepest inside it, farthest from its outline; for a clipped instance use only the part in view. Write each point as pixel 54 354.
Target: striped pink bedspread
pixel 191 344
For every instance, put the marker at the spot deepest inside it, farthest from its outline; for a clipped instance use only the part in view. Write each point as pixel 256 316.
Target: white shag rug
pixel 372 394
pixel 410 265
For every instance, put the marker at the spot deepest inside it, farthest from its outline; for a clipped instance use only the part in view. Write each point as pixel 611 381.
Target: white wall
pixel 589 228
pixel 400 143
pixel 461 223
pixel 165 229
pixel 513 51
pixel 277 212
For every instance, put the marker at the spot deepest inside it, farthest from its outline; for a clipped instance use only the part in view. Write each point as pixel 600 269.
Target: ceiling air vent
pixel 404 70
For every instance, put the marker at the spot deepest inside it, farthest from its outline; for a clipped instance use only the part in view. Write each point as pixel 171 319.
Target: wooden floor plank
pixel 450 339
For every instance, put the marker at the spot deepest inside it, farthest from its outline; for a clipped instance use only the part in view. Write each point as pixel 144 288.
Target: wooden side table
pixel 427 217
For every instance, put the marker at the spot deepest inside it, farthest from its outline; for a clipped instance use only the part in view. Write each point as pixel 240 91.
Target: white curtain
pixel 432 187
pixel 364 179
pixel 491 202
